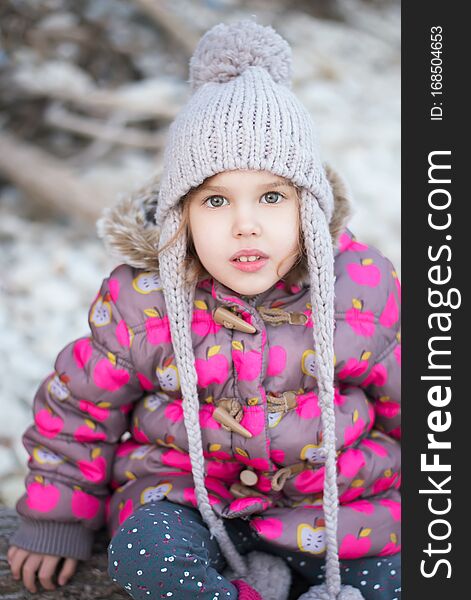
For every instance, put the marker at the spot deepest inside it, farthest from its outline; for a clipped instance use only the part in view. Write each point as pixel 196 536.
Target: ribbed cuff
pixel 71 540
pixel 246 591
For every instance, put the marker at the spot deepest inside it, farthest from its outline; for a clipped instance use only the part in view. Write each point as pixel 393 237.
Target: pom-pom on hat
pixel 226 51
pixel 242 114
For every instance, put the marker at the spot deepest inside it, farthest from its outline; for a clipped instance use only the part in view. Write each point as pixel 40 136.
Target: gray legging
pixel 165 550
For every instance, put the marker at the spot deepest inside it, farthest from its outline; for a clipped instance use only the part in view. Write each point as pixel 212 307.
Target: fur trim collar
pixel 130 234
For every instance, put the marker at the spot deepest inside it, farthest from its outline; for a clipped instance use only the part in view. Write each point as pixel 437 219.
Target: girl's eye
pixel 272 197
pixel 215 201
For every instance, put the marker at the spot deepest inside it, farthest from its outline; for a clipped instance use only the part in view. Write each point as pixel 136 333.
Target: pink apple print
pixel 218 487
pixel 350 462
pixel 82 352
pixel 206 417
pixel 202 322
pixel 376 448
pixel 384 483
pixel 138 434
pixel 146 384
pixel 390 314
pixel 259 464
pixel 125 510
pixel 107 377
pixel 248 364
pixel 48 425
pixel 127 447
pixel 223 469
pixel 377 376
pixel 386 408
pixel 88 433
pixel 84 506
pixel 157 327
pixel 174 411
pixel 351 494
pixel 214 451
pixel 276 361
pixel 95 469
pixel 41 496
pixel 277 456
pixel 309 481
pixel 123 334
pixel 213 369
pixel 308 406
pixel 113 286
pixel 354 367
pixel 391 547
pixel 173 458
pixel 356 546
pixel 393 506
pixel 353 432
pixel 253 419
pixel 244 503
pixel 362 506
pixel 100 411
pixel 269 527
pixel 309 323
pixel 264 484
pixel 350 244
pixel 189 494
pixel 365 272
pixel 362 322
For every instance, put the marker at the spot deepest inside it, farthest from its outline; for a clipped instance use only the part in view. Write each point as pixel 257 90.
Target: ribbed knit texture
pixel 266 573
pixel 51 537
pixel 242 115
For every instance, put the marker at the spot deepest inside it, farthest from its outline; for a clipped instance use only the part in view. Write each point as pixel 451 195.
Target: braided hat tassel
pixel 320 256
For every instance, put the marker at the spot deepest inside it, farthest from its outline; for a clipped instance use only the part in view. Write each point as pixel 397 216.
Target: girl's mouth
pixel 249 263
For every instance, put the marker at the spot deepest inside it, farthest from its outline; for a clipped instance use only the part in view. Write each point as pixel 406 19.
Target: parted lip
pixel 249 252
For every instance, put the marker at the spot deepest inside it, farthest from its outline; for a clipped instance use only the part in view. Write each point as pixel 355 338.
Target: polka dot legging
pixel 165 550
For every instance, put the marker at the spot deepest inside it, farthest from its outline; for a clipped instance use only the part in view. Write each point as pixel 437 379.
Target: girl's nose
pixel 245 224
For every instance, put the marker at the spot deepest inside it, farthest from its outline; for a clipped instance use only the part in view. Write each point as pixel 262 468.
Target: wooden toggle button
pixel 222 416
pixel 248 477
pixel 226 318
pixel 297 318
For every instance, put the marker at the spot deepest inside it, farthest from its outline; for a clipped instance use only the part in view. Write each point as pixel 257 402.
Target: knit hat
pixel 243 115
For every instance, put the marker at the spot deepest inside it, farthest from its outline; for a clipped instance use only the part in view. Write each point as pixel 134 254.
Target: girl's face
pixel 253 211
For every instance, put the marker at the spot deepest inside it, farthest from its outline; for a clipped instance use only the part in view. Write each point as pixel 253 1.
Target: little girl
pixel 249 350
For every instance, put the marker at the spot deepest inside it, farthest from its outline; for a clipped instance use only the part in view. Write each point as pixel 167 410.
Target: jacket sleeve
pixel 80 412
pixel 382 382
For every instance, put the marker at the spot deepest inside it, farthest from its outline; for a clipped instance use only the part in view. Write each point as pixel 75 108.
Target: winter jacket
pixel 109 434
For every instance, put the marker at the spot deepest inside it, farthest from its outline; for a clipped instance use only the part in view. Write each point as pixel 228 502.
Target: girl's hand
pixel 26 563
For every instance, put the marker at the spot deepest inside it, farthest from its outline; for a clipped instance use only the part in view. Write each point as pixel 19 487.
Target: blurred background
pixel 87 91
